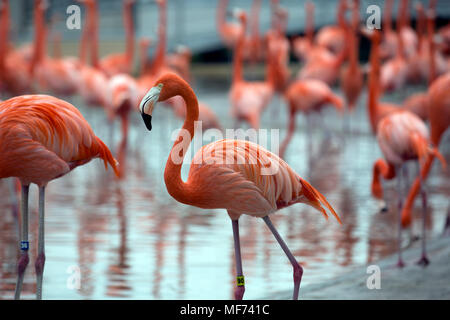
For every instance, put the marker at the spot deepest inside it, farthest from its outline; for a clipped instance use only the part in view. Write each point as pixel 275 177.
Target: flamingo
pixel 388 46
pixel 278 49
pixel 334 37
pixel 302 46
pixel 123 93
pixel 249 99
pixel 403 136
pixel 122 62
pixel 307 96
pixel 93 82
pixel 14 64
pixel 230 31
pixel 439 118
pixel 43 138
pixel 352 77
pixel 239 188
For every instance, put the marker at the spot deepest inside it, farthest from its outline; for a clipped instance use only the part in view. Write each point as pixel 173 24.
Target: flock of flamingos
pixel 43 137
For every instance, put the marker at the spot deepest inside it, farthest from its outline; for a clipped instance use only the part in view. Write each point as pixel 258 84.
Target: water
pixel 131 240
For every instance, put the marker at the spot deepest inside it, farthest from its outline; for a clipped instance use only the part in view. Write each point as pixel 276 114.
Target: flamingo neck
pixel 221 15
pixel 39 36
pixel 387 21
pixel 432 49
pixel 238 56
pixel 341 14
pixel 354 41
pixel 176 187
pixel 161 50
pixel 94 34
pixel 374 85
pixel 4 31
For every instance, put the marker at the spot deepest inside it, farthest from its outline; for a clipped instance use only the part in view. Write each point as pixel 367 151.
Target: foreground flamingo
pixel 43 138
pixel 257 187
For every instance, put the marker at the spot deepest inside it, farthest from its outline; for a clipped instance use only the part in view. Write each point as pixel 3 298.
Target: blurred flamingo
pixel 124 98
pixel 122 62
pixel 439 118
pixel 307 96
pixel 43 138
pixel 402 136
pixel 14 63
pixel 93 82
pixel 334 37
pixel 249 99
pixel 239 188
pixel 352 77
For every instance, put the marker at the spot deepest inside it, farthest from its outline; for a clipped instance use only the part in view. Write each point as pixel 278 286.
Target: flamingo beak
pixel 148 103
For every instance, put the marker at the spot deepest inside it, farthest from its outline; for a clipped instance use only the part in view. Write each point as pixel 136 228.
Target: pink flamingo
pixel 249 99
pixel 217 181
pixel 352 77
pixel 94 83
pixel 124 98
pixel 307 96
pixel 43 138
pixel 334 37
pixel 122 62
pixel 403 136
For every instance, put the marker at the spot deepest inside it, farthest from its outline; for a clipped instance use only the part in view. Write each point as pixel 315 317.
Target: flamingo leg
pixel 240 288
pixel 40 261
pixel 400 262
pixel 298 270
pixel 24 244
pixel 424 259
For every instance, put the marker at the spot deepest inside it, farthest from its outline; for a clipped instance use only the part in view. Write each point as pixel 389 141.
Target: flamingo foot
pixel 400 264
pixel 423 261
pixel 239 292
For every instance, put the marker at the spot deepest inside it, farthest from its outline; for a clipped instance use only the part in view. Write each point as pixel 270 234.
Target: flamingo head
pixel 148 103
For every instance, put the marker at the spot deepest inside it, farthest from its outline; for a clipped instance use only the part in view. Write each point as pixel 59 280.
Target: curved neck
pixel 161 50
pixel 129 32
pixel 172 173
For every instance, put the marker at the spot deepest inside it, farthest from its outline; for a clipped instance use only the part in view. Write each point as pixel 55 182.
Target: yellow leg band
pixel 240 281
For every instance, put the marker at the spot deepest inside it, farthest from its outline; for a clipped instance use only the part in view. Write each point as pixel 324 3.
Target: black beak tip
pixel 147 120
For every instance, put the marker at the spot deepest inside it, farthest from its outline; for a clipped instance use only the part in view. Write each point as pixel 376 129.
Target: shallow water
pixel 131 240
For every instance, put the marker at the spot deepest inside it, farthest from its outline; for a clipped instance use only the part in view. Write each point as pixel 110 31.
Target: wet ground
pixel 131 240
